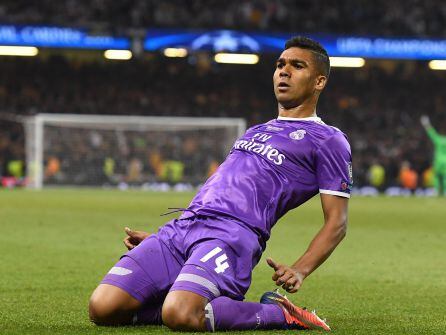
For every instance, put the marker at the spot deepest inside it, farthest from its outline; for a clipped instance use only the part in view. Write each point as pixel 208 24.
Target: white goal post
pixel 107 150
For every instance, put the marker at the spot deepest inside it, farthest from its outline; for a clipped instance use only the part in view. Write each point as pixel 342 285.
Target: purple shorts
pixel 207 256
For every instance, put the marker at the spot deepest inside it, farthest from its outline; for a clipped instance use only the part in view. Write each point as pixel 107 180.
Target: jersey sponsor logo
pixel 298 134
pixel 265 150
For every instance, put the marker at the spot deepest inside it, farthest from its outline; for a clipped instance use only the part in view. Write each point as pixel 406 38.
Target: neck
pixel 300 111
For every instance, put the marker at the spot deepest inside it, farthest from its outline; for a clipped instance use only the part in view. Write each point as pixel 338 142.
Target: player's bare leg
pixel 133 291
pixel 188 311
pixel 112 306
pixel 184 311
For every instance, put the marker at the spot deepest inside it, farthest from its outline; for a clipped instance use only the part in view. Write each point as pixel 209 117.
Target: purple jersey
pixel 275 167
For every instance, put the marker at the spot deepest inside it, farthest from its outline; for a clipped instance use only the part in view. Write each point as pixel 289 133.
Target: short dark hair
pixel 321 55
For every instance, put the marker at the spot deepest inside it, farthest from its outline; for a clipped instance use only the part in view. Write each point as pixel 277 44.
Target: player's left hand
pixel 285 276
pixel 134 237
pixel 425 121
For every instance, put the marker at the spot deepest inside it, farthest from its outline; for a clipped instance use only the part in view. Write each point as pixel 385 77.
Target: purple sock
pixel 148 315
pixel 224 313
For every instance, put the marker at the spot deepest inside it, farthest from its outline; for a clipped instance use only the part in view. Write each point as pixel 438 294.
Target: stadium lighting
pixel 175 52
pixel 437 65
pixel 118 54
pixel 18 51
pixel 228 58
pixel 347 62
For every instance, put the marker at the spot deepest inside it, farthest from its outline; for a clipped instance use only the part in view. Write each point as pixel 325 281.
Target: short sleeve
pixel 334 166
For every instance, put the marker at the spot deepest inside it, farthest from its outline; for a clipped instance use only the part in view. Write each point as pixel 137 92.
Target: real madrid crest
pixel 298 134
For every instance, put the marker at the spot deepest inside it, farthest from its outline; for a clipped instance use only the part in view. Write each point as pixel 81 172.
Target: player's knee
pixel 182 317
pixel 103 311
pixel 99 312
pixel 110 308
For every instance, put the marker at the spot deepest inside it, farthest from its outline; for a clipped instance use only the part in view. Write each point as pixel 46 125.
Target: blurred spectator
pixel 15 168
pixel 173 171
pixel 428 177
pixel 377 175
pixel 408 177
pixel 109 168
pixel 134 171
pixel 52 167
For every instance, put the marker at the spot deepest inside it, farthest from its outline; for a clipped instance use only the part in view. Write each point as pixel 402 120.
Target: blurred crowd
pixel 377 106
pixel 380 17
pixel 89 156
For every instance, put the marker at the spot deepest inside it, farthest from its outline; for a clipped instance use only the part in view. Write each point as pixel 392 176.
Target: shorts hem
pixel 126 288
pixel 189 288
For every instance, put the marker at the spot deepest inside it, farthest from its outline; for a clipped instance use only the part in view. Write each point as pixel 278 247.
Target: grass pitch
pixel 387 277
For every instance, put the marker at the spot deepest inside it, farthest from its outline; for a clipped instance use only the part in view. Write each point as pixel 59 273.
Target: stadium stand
pixel 377 106
pixel 381 17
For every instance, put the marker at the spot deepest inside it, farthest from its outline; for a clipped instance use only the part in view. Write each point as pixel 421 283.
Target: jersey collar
pixel 311 118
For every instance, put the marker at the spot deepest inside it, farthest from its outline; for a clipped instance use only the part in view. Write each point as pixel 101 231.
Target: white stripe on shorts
pixel 209 314
pixel 200 281
pixel 119 271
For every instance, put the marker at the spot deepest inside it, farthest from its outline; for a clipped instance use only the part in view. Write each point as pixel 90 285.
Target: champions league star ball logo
pixel 226 40
pixel 298 134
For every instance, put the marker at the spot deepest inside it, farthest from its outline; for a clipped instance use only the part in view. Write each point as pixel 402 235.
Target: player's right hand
pixel 134 237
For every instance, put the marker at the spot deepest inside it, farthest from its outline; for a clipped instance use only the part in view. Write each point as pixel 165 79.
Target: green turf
pixel 387 277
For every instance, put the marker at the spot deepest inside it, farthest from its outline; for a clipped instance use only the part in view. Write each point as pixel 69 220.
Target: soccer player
pixel 193 274
pixel 439 155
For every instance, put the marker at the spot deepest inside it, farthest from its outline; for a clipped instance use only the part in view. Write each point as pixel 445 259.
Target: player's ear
pixel 320 83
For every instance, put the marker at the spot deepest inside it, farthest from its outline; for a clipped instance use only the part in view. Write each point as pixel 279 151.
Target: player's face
pixel 296 78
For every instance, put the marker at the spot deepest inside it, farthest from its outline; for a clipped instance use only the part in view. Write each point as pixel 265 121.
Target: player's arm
pixel 334 174
pixel 335 210
pixel 430 130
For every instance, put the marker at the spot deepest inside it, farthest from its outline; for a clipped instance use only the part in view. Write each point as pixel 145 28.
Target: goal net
pixel 102 150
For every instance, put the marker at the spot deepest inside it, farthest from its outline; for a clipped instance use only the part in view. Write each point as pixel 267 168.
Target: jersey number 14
pixel 220 261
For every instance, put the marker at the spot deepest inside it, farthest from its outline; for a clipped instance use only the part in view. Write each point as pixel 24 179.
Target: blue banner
pixel 58 37
pixel 346 46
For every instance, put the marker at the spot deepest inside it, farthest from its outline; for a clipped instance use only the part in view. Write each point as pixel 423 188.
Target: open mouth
pixel 283 87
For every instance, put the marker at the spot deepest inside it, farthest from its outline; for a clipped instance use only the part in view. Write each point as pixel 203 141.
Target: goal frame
pixel 35 131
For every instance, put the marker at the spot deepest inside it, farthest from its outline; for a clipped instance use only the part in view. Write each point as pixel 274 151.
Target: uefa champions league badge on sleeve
pixel 346 186
pixel 298 134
